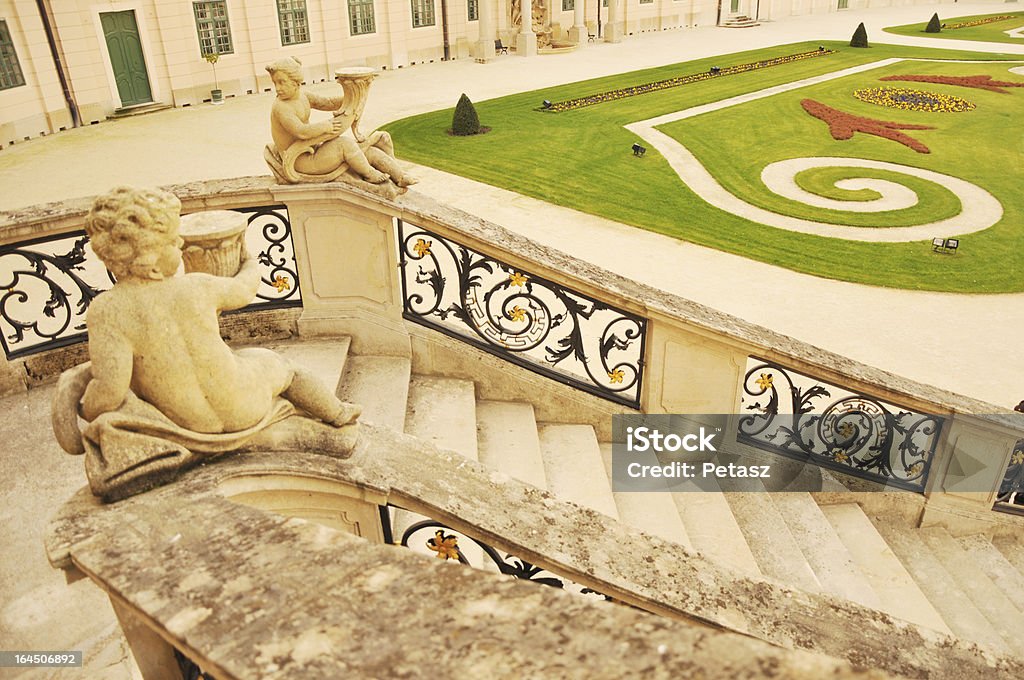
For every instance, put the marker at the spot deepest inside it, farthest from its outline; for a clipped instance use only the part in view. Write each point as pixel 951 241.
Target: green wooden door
pixel 843 4
pixel 126 59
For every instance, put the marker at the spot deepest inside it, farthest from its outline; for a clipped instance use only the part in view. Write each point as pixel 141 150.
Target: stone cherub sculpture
pixel 163 391
pixel 320 152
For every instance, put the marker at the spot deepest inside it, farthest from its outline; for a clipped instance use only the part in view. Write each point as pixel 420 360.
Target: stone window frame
pixel 361 17
pixel 10 68
pixel 293 20
pixel 213 27
pixel 473 10
pixel 423 14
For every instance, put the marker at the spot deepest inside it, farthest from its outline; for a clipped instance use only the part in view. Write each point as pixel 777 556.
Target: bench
pixel 499 48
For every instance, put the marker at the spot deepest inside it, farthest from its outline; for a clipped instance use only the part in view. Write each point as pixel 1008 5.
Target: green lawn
pixel 581 159
pixel 993 32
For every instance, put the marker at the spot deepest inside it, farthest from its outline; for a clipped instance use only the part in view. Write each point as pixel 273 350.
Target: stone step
pixel 573 466
pixel 900 596
pixel 324 356
pixel 506 434
pixel 831 561
pixel 777 553
pixel 1012 550
pixel 442 411
pixel 985 595
pixel 955 606
pixel 653 512
pixel 381 386
pixel 995 565
pixel 713 530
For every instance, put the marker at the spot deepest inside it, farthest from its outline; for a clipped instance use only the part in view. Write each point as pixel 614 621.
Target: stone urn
pixel 213 242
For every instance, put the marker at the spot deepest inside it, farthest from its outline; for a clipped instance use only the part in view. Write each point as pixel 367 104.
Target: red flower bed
pixel 843 125
pixel 976 82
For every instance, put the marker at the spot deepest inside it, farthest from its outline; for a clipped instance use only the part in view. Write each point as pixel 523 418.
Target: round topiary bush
pixel 465 121
pixel 934 26
pixel 860 36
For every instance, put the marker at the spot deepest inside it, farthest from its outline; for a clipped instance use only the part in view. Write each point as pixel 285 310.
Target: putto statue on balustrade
pixel 321 152
pixel 162 390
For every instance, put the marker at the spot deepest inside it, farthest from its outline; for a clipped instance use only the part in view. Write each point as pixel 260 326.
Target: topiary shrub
pixel 934 26
pixel 465 121
pixel 860 37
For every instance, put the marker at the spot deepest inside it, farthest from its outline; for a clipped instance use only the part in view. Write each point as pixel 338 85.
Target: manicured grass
pixel 993 32
pixel 582 159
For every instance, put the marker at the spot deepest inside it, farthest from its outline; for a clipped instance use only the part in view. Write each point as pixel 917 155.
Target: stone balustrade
pixel 693 358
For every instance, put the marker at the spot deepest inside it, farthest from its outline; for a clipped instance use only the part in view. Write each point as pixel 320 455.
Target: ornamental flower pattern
pixel 843 125
pixel 913 100
pixel 281 283
pixel 446 547
pixel 613 95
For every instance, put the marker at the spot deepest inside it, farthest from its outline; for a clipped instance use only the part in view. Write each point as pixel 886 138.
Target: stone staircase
pixel 738 21
pixel 969 586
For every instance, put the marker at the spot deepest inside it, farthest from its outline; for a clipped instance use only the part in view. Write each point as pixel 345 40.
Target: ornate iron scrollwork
pixel 48 283
pixel 520 317
pixel 854 433
pixel 1011 490
pixel 477 554
pixel 269 237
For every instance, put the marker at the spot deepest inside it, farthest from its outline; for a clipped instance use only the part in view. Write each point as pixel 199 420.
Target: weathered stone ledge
pixel 499 242
pixel 295 580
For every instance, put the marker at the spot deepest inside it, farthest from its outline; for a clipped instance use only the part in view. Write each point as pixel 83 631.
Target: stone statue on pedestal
pixel 320 152
pixel 162 390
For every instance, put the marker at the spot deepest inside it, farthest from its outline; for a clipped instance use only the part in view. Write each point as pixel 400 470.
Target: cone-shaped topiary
pixel 860 37
pixel 465 121
pixel 934 26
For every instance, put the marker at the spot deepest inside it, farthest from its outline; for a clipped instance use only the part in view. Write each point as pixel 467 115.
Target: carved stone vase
pixel 213 241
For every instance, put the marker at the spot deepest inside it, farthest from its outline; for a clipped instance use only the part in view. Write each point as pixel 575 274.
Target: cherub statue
pixel 163 391
pixel 320 152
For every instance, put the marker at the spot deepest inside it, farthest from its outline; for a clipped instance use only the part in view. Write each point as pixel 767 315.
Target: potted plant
pixel 216 95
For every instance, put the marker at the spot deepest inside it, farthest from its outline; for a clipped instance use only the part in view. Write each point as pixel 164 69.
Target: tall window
pixel 422 13
pixel 568 5
pixel 10 69
pixel 360 17
pixel 473 7
pixel 291 15
pixel 213 28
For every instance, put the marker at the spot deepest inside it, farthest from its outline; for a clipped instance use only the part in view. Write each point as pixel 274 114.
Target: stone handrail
pixel 345 250
pixel 248 594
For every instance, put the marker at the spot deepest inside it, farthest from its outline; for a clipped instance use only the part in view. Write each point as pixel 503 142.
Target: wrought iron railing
pixel 1011 491
pixel 47 284
pixel 800 417
pixel 434 538
pixel 521 317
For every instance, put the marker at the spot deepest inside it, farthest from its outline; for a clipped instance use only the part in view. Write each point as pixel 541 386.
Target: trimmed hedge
pixel 465 121
pixel 860 36
pixel 934 25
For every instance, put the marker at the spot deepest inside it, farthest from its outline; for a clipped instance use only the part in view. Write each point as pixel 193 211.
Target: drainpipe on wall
pixel 46 16
pixel 444 29
pixel 718 19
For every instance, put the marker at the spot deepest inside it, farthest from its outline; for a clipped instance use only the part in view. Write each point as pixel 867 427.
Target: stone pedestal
pixel 345 252
pixel 483 51
pixel 526 44
pixel 613 32
pixel 578 35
